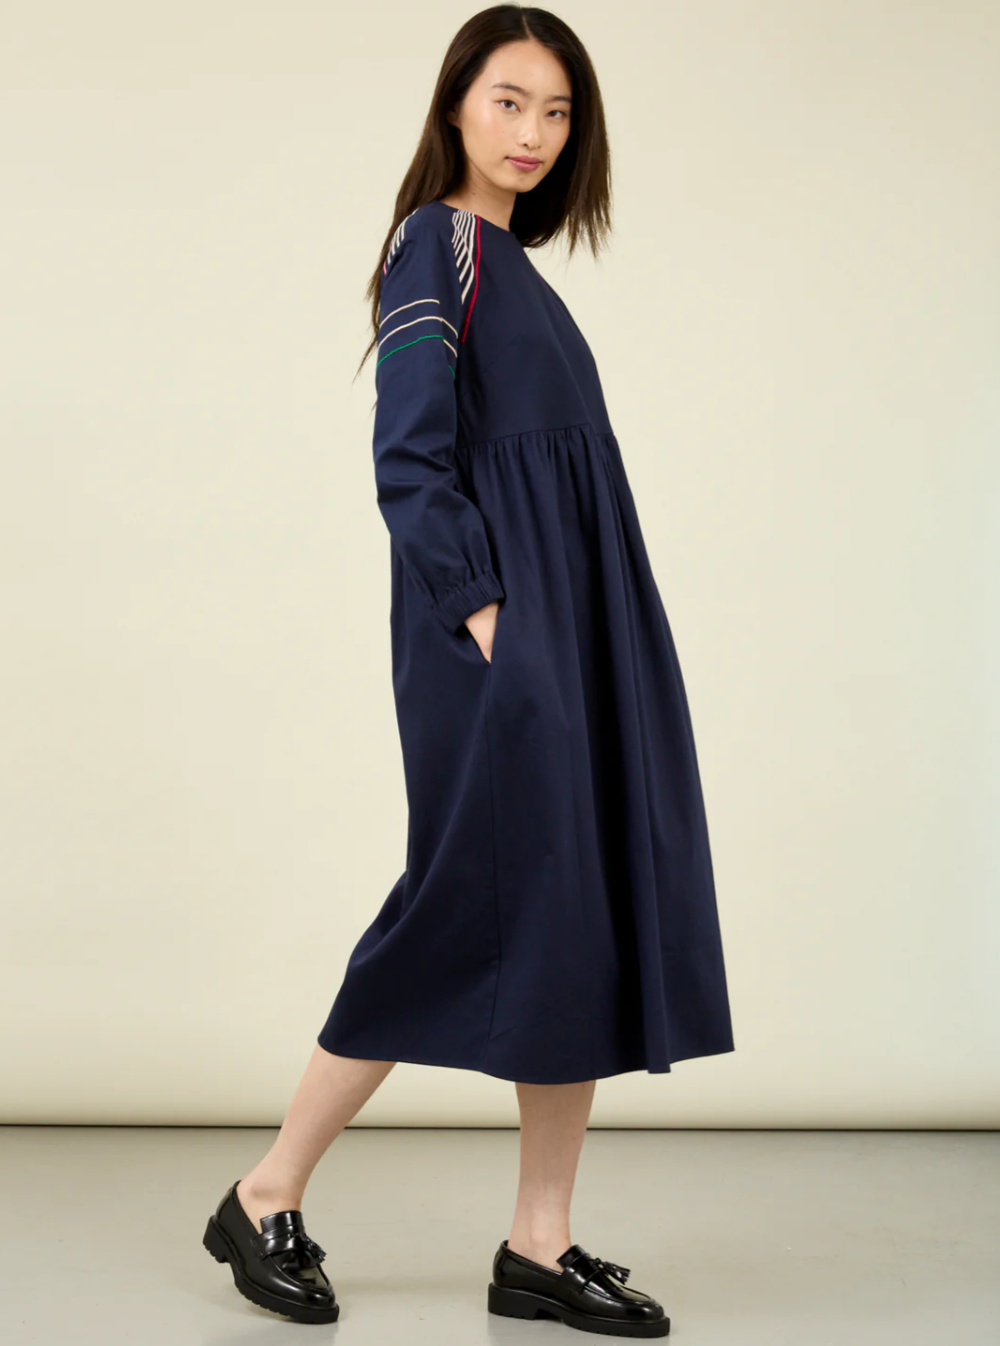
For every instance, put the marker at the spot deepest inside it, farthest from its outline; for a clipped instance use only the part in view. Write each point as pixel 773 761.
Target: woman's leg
pixel 553 1126
pixel 331 1092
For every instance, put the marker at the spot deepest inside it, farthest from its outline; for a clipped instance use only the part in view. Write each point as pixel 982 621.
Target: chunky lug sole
pixel 528 1304
pixel 218 1245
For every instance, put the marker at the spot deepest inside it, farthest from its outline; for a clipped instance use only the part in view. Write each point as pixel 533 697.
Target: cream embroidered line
pixel 463 231
pixel 431 317
pixel 397 239
pixel 413 305
pixel 410 305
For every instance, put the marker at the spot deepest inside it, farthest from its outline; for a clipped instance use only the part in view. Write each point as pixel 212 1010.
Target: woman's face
pixel 518 107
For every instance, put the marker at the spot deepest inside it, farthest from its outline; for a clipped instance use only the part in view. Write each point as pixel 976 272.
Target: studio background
pixel 796 327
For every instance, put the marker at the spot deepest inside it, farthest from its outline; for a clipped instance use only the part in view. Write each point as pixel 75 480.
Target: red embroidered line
pixel 475 288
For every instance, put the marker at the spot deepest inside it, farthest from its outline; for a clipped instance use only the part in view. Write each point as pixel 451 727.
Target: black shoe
pixel 279 1268
pixel 587 1293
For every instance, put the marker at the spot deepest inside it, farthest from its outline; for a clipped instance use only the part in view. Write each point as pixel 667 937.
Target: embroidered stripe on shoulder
pixel 465 229
pixel 397 240
pixel 425 317
pixel 465 243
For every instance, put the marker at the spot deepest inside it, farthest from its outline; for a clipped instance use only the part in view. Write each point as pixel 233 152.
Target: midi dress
pixel 556 920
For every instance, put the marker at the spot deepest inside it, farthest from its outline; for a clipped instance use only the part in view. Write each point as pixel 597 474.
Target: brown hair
pixel 575 197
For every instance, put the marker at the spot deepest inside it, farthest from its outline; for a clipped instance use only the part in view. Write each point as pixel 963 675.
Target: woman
pixel 556 922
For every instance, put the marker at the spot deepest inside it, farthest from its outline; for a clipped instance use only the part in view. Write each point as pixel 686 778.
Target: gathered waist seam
pixel 542 430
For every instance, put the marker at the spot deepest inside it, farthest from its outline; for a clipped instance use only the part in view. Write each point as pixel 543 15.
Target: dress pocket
pixel 496 632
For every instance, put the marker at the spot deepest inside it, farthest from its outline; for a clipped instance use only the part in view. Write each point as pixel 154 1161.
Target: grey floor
pixel 798 1237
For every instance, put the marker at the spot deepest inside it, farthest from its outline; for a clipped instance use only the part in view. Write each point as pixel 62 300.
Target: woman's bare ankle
pixel 544 1250
pixel 259 1197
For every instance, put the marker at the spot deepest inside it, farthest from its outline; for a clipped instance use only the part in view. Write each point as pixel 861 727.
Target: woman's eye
pixel 560 112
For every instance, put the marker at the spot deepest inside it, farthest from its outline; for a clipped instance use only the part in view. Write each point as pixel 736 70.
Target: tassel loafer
pixel 277 1269
pixel 588 1293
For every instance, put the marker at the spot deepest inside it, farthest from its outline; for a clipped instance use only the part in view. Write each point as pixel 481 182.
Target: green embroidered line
pixel 434 336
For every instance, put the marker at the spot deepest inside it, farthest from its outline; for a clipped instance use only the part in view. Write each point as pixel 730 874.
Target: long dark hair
pixel 574 199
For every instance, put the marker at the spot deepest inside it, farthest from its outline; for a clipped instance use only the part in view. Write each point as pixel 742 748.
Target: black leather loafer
pixel 277 1269
pixel 588 1293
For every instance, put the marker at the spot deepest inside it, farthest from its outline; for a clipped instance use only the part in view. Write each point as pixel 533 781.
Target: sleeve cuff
pixel 468 598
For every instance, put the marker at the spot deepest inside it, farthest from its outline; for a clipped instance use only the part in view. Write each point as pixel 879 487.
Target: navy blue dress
pixel 556 920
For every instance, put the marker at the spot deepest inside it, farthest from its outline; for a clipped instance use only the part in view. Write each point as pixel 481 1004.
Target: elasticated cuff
pixel 469 598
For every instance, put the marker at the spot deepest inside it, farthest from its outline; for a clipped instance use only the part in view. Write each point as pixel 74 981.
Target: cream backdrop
pixel 796 326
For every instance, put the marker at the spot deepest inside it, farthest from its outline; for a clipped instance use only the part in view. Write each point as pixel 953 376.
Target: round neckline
pixel 498 227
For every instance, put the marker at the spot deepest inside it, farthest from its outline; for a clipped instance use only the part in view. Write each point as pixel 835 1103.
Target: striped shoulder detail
pixel 454 291
pixel 465 245
pixel 396 242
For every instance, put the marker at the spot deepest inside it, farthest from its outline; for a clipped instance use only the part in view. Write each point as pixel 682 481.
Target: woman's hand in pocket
pixel 483 625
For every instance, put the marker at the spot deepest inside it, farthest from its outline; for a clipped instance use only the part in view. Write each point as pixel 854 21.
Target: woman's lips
pixel 526 164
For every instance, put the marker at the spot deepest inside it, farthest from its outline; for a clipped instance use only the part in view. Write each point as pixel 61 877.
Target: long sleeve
pixel 437 530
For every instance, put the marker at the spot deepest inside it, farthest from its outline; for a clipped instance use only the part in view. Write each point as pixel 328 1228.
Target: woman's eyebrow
pixel 516 88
